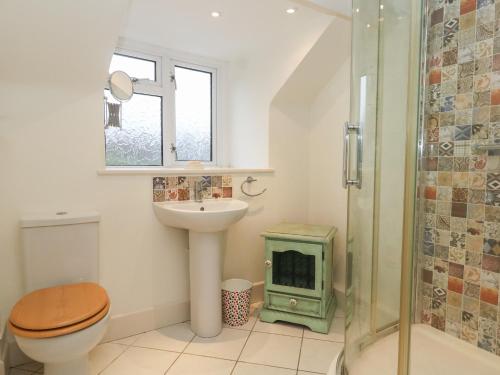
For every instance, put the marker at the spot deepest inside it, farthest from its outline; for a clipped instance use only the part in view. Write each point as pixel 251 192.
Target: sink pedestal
pixel 205 270
pixel 207 223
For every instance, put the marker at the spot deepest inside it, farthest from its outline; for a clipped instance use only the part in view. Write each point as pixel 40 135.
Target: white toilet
pixel 65 313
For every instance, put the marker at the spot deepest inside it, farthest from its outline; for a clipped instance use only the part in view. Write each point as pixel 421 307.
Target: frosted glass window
pixel 134 67
pixel 139 141
pixel 174 104
pixel 193 114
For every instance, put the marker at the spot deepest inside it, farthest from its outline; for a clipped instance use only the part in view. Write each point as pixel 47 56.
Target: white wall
pixel 259 41
pixel 51 144
pixel 327 197
pixel 307 118
pixel 254 82
pixel 51 73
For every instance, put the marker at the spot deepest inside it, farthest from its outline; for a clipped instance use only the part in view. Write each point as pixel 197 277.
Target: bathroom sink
pixel 206 222
pixel 208 216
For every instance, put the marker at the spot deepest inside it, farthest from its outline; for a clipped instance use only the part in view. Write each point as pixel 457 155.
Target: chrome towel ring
pixel 249 180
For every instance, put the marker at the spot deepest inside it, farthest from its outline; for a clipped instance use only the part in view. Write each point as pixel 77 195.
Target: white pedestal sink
pixel 206 222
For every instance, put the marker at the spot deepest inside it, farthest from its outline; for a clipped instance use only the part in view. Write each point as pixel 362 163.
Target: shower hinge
pixel 322 284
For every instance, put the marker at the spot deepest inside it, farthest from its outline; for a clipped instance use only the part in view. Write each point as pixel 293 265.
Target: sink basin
pixel 206 216
pixel 206 222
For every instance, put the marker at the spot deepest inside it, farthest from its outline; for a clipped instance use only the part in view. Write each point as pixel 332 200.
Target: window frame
pixel 170 156
pixel 164 86
pixel 145 86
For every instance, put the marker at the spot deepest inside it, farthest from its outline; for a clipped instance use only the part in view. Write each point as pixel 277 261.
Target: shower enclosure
pixel 422 168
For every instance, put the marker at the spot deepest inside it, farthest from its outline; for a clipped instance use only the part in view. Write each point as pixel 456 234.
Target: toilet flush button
pixel 60 213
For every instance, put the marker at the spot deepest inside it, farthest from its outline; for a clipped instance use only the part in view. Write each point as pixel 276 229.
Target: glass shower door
pixel 360 152
pixel 376 170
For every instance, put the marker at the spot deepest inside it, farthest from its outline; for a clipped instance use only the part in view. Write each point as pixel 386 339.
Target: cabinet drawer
pixel 293 304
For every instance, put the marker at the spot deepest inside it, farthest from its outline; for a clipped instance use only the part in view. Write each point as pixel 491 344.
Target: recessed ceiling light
pixel 215 14
pixel 291 10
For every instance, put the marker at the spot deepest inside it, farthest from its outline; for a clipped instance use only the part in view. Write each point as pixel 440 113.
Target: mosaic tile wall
pixel 460 249
pixel 181 188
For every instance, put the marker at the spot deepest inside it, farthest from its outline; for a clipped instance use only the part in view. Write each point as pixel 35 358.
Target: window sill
pixel 159 171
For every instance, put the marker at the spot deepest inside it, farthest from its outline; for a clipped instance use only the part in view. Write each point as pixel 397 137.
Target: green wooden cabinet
pixel 298 279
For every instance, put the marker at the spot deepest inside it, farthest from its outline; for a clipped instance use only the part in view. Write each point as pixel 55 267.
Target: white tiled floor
pixel 257 348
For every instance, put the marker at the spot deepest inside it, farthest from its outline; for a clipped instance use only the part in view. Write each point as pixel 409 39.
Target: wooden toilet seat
pixel 59 310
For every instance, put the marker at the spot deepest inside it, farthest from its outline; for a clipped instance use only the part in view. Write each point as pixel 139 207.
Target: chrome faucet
pixel 198 191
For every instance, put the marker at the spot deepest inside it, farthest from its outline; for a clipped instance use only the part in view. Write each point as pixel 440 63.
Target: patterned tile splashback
pixel 181 188
pixel 460 186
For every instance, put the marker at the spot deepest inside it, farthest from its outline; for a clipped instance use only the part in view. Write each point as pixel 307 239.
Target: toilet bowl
pixel 59 326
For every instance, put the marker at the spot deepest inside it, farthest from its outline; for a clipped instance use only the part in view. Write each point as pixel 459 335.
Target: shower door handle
pixel 346 173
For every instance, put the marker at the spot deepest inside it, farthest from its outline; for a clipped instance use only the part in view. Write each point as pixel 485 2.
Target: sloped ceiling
pixel 61 42
pixel 245 28
pixel 312 74
pixel 339 7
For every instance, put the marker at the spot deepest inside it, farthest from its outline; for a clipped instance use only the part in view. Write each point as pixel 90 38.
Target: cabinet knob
pixel 268 263
pixel 293 302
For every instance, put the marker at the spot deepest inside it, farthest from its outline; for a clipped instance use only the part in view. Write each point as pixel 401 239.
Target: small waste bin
pixel 236 295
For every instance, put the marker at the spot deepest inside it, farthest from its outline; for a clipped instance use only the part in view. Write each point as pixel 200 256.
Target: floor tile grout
pixel 207 356
pixel 173 363
pixel 300 350
pixel 311 338
pixel 242 348
pixel 245 330
pixel 281 334
pixel 162 350
pixel 118 356
pixel 251 329
pixel 183 352
pixel 272 366
pixel 265 365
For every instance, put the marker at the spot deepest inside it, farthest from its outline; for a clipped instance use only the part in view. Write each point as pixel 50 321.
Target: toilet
pixel 65 313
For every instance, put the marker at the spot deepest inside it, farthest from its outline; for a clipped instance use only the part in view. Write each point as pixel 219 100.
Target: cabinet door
pixel 294 267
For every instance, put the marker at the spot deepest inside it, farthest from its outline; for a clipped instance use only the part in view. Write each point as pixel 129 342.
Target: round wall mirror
pixel 121 86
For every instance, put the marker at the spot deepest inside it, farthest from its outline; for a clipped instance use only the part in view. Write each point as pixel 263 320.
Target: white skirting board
pixel 257 292
pixel 121 326
pixel 340 295
pixel 125 325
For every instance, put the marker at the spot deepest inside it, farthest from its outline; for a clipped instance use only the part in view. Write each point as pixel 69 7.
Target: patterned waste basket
pixel 236 301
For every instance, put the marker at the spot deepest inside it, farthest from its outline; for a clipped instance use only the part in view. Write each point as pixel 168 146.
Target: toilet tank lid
pixel 59 218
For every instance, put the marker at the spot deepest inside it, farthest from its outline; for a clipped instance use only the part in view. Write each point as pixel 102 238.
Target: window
pixel 171 118
pixel 139 141
pixel 193 114
pixel 134 67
